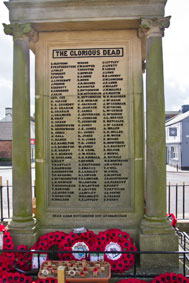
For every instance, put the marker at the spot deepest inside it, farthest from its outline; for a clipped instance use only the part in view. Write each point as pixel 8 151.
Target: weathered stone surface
pixel 156 232
pixel 87 124
pixel 83 10
pixel 21 164
pixel 162 243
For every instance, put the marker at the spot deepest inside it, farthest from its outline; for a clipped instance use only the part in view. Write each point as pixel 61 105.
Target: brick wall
pixel 5 149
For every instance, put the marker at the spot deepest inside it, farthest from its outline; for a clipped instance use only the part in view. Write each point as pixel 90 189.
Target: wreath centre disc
pixel 113 247
pixel 80 247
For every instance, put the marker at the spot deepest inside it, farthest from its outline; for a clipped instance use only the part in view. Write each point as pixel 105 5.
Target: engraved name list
pixel 89 128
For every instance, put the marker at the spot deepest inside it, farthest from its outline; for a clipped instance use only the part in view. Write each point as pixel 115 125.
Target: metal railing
pixel 183 241
pixel 177 201
pixel 5 202
pixel 6 206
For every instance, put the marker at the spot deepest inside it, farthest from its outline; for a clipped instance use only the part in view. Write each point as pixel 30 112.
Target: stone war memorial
pixel 91 168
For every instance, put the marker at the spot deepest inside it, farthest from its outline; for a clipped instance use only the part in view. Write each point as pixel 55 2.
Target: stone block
pixel 23 233
pixel 159 242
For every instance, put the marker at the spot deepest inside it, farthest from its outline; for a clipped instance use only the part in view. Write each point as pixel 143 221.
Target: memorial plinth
pixel 90 56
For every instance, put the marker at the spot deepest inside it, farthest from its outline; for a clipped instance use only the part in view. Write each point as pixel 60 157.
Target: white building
pixel 177 141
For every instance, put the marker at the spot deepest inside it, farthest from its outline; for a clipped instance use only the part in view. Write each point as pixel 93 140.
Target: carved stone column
pixel 22 225
pixel 156 231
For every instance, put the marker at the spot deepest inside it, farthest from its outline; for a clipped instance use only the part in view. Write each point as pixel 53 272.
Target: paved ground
pixel 177 177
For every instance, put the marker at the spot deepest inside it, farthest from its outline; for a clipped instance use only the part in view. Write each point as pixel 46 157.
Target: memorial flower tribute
pixel 10 277
pixel 23 259
pixel 13 277
pixel 170 278
pixel 50 280
pixel 77 242
pixel 117 241
pixel 162 278
pixel 132 280
pixel 111 241
pixel 6 258
pixel 45 242
pixel 173 219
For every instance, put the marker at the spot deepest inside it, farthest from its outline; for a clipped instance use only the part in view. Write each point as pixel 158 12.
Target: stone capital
pixel 33 36
pixel 153 27
pixel 17 30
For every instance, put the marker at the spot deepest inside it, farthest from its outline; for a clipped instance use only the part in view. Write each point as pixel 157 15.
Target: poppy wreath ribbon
pixel 173 219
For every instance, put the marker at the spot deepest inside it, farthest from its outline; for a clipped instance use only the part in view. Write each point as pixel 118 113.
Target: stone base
pixel 25 233
pixel 158 236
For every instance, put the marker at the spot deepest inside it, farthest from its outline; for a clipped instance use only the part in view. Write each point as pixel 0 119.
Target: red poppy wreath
pixel 45 242
pixel 116 241
pixel 6 258
pixel 81 242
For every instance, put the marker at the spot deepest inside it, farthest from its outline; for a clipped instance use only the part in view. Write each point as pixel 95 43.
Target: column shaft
pixel 22 194
pixel 155 130
pixel 23 227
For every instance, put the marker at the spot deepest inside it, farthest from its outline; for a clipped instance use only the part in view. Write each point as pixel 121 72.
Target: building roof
pixel 8 118
pixel 177 119
pixel 6 126
pixel 170 114
pixel 6 131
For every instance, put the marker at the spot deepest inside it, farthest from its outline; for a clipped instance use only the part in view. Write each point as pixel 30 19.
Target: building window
pixel 172 132
pixel 174 152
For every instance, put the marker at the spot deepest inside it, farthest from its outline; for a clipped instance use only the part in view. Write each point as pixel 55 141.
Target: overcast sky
pixel 176 59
